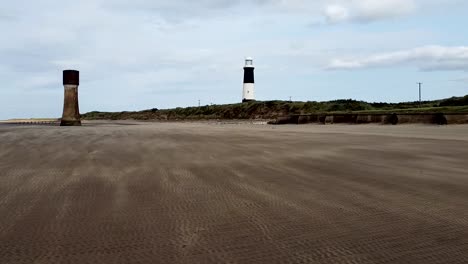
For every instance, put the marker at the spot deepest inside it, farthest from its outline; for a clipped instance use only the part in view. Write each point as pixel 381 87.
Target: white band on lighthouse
pixel 248 93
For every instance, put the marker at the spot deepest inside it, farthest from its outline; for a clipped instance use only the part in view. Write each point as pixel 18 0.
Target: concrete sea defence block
pixel 439 119
pixel 345 118
pixel 329 119
pixel 305 119
pixel 283 120
pixel 389 119
pixel 456 119
pixel 370 118
pixel 294 119
pixel 364 119
pixel 415 118
pixel 321 119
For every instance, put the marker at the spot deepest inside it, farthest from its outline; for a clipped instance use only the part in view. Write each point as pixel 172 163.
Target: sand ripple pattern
pixel 210 193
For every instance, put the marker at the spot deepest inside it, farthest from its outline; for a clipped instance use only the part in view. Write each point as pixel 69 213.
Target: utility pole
pixel 420 84
pixel 198 102
pixel 290 98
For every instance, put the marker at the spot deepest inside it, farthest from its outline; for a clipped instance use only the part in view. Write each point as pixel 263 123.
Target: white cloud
pixel 336 13
pixel 428 58
pixel 368 10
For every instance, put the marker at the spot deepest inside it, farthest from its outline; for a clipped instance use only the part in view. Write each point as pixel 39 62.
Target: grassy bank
pixel 274 109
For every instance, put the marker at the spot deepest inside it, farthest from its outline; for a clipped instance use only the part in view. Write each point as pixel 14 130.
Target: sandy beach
pixel 136 192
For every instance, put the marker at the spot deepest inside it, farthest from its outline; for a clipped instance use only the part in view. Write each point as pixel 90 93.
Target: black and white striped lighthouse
pixel 248 93
pixel 71 111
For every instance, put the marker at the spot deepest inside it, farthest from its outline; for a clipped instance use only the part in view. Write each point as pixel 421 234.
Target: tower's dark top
pixel 71 77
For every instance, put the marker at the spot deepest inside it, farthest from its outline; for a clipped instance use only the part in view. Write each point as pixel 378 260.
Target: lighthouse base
pixel 70 123
pixel 248 100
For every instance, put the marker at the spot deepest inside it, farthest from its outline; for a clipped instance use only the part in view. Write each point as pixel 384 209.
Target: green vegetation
pixel 274 109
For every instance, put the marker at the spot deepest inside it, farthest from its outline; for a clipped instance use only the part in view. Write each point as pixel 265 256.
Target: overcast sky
pixel 142 54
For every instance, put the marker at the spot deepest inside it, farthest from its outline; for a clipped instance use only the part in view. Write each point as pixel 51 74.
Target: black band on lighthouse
pixel 249 75
pixel 71 77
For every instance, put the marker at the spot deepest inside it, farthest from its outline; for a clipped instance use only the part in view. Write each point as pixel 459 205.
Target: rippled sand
pixel 130 192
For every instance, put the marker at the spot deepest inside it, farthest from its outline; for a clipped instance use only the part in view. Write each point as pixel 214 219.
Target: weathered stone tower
pixel 71 111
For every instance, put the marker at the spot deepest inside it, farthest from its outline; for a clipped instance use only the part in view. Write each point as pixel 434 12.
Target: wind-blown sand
pixel 127 192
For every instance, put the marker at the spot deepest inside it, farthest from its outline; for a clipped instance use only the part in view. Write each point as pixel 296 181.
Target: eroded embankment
pixel 394 119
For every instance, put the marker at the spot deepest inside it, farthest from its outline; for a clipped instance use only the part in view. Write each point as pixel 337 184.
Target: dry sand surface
pixel 127 192
pixel 30 120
